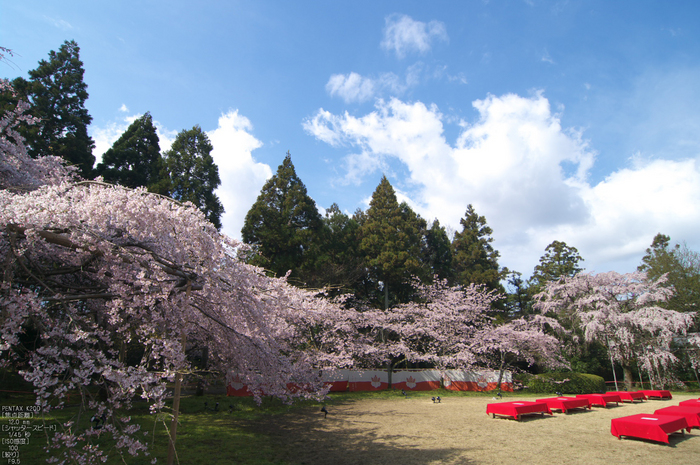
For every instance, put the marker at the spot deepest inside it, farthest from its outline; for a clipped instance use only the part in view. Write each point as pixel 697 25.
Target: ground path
pixel 414 430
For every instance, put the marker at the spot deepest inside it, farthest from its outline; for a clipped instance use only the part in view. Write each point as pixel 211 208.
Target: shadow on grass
pixel 575 411
pixel 300 437
pixel 524 418
pixel 673 439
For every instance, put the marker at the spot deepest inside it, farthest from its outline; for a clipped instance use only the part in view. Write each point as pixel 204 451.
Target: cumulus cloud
pixel 241 176
pixel 403 35
pixel 525 173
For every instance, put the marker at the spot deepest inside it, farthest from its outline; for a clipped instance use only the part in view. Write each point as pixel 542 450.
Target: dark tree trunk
pixel 627 372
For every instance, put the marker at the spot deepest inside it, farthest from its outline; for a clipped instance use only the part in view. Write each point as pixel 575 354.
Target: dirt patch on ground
pixel 415 430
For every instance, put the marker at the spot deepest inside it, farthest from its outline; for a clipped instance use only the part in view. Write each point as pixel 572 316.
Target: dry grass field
pixel 414 430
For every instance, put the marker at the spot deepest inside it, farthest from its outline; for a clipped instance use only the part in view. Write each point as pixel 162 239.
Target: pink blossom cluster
pixel 18 170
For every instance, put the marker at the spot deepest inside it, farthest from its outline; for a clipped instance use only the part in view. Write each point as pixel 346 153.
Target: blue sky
pixel 558 120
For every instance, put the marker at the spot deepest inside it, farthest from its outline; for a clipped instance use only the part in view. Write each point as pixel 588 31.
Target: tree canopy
pixel 624 312
pixel 681 267
pixel 474 258
pixel 453 327
pixel 57 93
pixel 134 160
pixel 438 251
pixel 283 226
pixel 339 266
pixel 193 174
pixel 559 260
pixel 391 244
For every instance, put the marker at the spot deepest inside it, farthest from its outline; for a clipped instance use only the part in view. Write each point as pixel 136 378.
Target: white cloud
pixel 241 176
pixel 402 35
pixel 526 174
pixel 351 87
pixel 59 23
pixel 547 58
pixel 356 88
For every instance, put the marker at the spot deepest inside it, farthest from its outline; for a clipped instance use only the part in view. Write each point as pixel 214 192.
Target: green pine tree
pixel 193 174
pixel 283 226
pixel 339 266
pixel 134 160
pixel 559 260
pixel 474 258
pixel 681 266
pixel 391 244
pixel 57 94
pixel 438 251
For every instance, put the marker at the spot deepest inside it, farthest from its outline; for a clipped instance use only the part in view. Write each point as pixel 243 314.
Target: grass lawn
pixel 274 433
pixel 203 436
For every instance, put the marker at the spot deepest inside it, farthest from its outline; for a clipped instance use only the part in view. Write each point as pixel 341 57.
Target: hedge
pixel 564 382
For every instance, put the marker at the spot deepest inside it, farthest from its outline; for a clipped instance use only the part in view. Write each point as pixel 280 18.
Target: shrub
pixel 12 383
pixel 564 382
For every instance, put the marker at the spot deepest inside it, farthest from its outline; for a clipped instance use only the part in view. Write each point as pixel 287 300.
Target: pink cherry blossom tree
pixel 621 311
pixel 438 327
pixel 530 339
pixel 693 351
pixel 94 269
pixel 453 327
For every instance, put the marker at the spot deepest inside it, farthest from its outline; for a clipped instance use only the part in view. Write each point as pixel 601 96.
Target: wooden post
pixel 176 401
pixel 173 423
pixel 612 363
pixel 176 412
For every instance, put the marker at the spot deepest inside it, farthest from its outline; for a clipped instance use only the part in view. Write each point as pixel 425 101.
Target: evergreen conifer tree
pixel 283 225
pixel 57 94
pixel 474 258
pixel 193 174
pixel 391 244
pixel 681 266
pixel 134 160
pixel 558 260
pixel 438 251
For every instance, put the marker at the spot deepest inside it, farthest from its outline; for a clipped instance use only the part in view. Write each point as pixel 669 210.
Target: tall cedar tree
pixel 283 226
pixel 558 260
pixel 474 259
pixel 134 160
pixel 391 238
pixel 438 251
pixel 518 299
pixel 57 94
pixel 682 269
pixel 193 174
